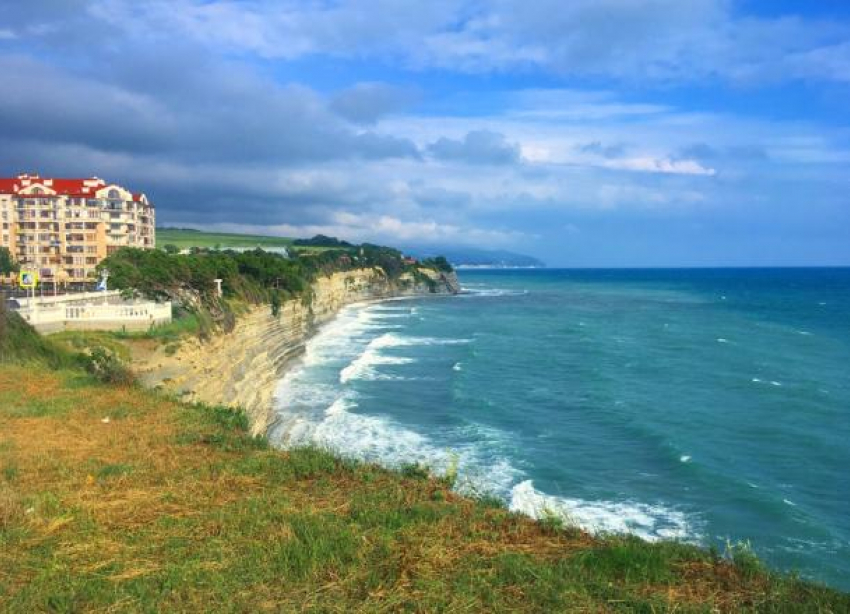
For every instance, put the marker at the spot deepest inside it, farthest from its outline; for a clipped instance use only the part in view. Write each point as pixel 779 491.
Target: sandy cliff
pixel 244 366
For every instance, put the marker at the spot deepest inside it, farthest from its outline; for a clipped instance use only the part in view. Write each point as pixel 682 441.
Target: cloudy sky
pixel 584 132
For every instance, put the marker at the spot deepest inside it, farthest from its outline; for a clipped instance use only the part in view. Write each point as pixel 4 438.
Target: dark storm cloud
pixel 235 117
pixel 477 147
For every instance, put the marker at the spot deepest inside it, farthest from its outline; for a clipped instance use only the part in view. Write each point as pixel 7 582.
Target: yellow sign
pixel 28 279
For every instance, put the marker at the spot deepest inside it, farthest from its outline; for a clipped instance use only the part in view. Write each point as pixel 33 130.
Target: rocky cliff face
pixel 243 367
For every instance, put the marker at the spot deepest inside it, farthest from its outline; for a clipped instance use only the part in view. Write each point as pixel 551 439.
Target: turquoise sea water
pixel 705 405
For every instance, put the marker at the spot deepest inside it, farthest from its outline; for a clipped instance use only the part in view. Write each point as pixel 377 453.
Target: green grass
pixel 81 341
pixel 19 343
pixel 185 239
pixel 115 342
pixel 188 238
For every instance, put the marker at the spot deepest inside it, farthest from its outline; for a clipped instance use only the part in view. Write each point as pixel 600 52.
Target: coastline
pixel 243 368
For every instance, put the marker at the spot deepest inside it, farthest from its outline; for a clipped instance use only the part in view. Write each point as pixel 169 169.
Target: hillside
pixel 114 498
pixel 184 238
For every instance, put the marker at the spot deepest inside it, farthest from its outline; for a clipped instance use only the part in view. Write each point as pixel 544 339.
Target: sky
pixel 583 132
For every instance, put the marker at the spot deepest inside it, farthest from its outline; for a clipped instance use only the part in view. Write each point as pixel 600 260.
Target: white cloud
pixel 631 40
pixel 660 165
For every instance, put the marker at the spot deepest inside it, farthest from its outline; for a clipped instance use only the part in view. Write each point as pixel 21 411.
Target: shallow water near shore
pixel 704 405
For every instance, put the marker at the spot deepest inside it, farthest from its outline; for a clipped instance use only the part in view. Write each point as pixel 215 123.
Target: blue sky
pixel 587 133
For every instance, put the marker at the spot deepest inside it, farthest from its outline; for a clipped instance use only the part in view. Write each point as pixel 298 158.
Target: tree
pixel 170 248
pixel 7 262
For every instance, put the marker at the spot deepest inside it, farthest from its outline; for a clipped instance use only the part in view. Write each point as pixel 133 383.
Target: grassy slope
pixel 185 239
pixel 173 507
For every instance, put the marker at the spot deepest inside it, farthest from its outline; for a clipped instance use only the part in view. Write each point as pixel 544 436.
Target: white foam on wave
pixel 342 335
pixel 364 366
pixel 456 367
pixel 651 522
pixel 722 340
pixel 391 340
pixel 685 458
pixel 380 439
pixel 772 382
pixel 490 292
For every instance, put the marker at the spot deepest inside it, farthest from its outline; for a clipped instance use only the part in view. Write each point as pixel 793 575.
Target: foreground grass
pixel 171 507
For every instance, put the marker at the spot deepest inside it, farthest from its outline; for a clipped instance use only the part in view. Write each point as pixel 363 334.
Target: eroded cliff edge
pixel 244 367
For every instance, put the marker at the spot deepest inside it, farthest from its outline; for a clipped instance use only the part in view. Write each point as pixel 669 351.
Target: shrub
pixel 108 368
pixel 745 560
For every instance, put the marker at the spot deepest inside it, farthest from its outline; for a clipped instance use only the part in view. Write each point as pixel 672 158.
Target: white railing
pixel 102 316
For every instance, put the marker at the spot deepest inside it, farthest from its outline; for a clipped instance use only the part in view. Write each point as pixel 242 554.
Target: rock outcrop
pixel 243 367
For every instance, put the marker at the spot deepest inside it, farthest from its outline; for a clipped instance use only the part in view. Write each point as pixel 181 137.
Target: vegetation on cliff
pixel 254 276
pixel 113 498
pixel 251 275
pixel 322 241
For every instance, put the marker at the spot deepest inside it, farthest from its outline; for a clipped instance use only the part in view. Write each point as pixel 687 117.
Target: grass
pixel 118 343
pixel 21 344
pixel 175 507
pixel 192 238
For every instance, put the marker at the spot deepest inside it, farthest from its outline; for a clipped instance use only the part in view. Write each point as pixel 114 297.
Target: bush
pixel 108 368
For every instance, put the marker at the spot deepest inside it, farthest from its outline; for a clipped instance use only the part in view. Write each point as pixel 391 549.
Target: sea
pixel 710 406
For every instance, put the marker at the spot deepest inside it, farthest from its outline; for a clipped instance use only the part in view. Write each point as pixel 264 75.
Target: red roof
pixel 64 187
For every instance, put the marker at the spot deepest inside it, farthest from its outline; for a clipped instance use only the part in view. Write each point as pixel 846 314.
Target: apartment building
pixel 64 227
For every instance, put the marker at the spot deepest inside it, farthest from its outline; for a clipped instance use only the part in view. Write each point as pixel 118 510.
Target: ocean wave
pixel 379 439
pixel 363 367
pixel 651 522
pixel 390 340
pixel 341 336
pixel 467 291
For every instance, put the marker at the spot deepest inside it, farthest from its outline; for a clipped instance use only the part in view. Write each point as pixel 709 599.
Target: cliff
pixel 242 368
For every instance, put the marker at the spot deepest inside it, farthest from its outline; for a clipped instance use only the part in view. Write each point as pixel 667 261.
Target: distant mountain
pixel 472 257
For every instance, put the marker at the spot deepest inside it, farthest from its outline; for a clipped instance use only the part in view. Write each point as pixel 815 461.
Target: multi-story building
pixel 64 227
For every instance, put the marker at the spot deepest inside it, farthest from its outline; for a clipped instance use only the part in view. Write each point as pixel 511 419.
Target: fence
pixel 56 315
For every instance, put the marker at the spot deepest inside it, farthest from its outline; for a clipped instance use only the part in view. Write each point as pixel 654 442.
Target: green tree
pixel 7 262
pixel 170 248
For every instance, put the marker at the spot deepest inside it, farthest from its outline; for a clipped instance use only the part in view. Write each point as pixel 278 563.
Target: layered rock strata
pixel 243 368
